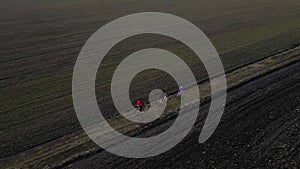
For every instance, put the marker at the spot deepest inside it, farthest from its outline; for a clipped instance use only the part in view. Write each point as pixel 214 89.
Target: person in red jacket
pixel 140 105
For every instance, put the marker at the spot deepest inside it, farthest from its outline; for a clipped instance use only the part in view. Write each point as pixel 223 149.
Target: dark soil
pixel 259 129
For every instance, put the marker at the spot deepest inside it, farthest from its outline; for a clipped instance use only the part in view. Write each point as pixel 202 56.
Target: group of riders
pixel 140 105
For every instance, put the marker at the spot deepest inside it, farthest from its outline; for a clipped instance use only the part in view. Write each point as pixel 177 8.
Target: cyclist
pixel 140 104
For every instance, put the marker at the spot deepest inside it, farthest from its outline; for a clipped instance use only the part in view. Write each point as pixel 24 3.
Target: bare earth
pixel 40 42
pixel 260 129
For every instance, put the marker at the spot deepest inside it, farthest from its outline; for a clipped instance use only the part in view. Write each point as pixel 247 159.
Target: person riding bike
pixel 180 91
pixel 140 105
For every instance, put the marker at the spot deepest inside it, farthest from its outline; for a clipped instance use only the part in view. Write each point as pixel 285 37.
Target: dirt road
pixel 259 129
